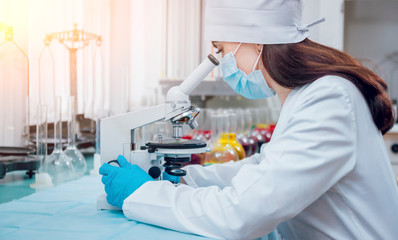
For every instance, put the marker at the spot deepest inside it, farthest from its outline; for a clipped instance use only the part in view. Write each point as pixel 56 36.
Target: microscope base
pixel 102 204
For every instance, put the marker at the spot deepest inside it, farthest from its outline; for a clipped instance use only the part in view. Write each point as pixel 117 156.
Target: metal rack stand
pixel 73 40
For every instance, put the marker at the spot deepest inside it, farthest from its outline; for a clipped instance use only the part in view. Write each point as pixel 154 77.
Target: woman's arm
pixel 316 149
pixel 216 174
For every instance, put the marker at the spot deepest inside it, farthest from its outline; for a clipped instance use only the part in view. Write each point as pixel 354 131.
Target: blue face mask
pixel 252 86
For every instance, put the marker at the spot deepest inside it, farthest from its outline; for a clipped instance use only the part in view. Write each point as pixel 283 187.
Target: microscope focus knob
pixel 394 148
pixel 154 172
pixel 193 124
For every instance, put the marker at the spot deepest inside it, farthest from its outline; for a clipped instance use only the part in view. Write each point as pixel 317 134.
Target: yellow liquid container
pixel 230 139
pixel 221 154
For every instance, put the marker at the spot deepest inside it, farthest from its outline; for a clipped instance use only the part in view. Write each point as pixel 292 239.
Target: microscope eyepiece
pixel 213 59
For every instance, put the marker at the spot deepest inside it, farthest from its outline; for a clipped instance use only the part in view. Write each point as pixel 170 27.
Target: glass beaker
pixel 202 133
pixel 203 120
pixel 255 130
pixel 240 133
pixel 228 137
pixel 41 137
pixel 219 153
pixel 249 131
pixel 42 178
pixel 77 158
pixel 59 165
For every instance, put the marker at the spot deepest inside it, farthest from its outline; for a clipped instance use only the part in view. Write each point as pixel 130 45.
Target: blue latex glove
pixel 170 178
pixel 121 182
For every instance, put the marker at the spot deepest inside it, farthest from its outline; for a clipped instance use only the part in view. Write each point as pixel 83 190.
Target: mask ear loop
pixel 237 48
pixel 258 58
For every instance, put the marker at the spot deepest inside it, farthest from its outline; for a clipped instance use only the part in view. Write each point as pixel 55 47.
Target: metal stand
pixel 73 41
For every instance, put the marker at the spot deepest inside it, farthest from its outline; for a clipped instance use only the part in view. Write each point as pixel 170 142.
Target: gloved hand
pixel 123 162
pixel 170 178
pixel 121 182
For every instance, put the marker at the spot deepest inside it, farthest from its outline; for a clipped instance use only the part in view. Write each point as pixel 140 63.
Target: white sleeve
pixel 315 151
pixel 217 174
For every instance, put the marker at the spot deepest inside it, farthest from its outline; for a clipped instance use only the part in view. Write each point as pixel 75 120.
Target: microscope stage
pixel 180 146
pixel 176 144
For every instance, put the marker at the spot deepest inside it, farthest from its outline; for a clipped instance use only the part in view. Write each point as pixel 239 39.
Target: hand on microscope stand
pixel 159 160
pixel 120 182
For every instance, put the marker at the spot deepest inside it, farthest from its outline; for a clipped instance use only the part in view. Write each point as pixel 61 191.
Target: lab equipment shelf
pixel 208 87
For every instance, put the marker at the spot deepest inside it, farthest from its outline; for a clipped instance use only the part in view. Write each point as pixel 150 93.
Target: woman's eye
pixel 219 51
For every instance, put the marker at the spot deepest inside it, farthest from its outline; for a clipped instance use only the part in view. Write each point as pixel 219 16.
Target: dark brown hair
pixel 296 64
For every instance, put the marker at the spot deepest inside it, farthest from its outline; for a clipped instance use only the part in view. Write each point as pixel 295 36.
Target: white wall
pixel 330 32
pixel 371 33
pixel 135 52
pixel 120 23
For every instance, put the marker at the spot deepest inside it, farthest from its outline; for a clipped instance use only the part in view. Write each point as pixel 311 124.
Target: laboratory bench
pixel 67 211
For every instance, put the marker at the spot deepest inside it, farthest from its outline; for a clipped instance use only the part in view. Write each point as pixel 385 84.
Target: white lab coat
pixel 324 175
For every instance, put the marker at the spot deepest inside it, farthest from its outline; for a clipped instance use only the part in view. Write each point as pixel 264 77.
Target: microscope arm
pixel 116 130
pixel 115 134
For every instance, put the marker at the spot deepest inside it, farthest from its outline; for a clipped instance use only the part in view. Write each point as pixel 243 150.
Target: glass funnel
pixel 59 165
pixel 78 160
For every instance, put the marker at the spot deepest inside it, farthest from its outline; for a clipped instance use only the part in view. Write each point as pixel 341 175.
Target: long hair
pixel 297 64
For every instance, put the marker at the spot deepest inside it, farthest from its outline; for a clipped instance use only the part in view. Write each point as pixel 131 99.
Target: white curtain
pixel 49 66
pixel 13 75
pixel 183 37
pixel 51 77
pixel 165 43
pixel 143 41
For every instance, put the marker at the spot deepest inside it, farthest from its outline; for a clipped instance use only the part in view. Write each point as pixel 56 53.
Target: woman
pixel 325 174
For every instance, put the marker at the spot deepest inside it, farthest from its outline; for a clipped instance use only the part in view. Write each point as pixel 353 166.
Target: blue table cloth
pixel 68 211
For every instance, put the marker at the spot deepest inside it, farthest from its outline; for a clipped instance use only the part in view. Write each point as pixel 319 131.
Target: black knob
pixel 176 172
pixel 30 173
pixel 394 148
pixel 154 172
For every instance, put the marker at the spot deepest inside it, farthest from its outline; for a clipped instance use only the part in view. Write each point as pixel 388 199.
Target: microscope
pixel 118 134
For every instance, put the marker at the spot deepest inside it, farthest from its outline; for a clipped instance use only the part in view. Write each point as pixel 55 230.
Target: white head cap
pixel 255 21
